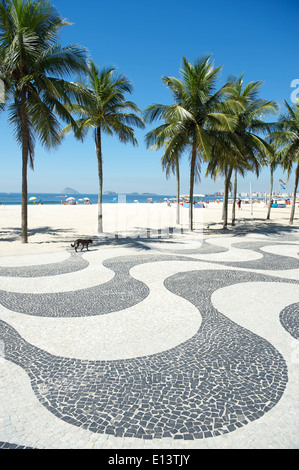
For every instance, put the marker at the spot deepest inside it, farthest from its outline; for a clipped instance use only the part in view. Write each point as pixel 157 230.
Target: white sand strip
pixel 53 228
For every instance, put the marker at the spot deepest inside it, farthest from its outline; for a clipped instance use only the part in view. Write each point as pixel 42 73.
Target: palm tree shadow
pixel 11 234
pixel 129 242
pixel 148 243
pixel 256 226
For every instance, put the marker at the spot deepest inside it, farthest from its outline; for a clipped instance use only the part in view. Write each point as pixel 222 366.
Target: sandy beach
pixel 53 228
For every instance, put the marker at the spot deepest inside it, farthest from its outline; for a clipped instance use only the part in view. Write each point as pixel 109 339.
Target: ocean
pixel 56 198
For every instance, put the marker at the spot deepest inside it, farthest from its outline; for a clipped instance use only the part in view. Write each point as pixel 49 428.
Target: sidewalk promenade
pixel 152 344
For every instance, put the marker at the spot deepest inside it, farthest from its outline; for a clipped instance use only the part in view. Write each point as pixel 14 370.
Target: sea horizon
pixel 110 197
pixel 60 198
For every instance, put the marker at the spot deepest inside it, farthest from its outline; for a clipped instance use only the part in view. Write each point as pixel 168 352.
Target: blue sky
pixel 146 40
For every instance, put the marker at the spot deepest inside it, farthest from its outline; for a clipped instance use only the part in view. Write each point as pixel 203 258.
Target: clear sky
pixel 146 40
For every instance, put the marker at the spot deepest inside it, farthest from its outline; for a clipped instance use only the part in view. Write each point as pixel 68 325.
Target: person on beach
pixel 239 203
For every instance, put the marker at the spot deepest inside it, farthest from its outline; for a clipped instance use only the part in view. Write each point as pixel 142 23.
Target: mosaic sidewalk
pixel 152 346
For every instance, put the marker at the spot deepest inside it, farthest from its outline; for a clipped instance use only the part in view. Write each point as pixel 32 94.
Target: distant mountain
pixel 69 191
pixel 110 193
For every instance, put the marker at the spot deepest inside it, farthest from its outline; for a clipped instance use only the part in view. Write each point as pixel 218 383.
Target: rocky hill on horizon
pixel 69 191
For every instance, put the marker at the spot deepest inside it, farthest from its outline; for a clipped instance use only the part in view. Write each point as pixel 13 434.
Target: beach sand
pixel 53 228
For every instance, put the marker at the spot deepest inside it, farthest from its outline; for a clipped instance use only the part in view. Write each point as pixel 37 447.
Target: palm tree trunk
pixel 24 216
pixel 25 152
pixel 228 175
pixel 177 190
pixel 192 177
pixel 294 195
pixel 225 194
pixel 235 198
pixel 224 205
pixel 224 199
pixel 270 193
pixel 98 142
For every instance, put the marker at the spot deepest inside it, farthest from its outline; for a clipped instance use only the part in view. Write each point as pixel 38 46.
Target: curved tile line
pixel 231 255
pixel 43 430
pixel 201 248
pixel 266 243
pixel 93 275
pixel 219 380
pixel 255 306
pixel 228 241
pixel 119 293
pixel 261 261
pixel 289 318
pixel 27 422
pixel 143 329
pixel 75 262
pixel 268 261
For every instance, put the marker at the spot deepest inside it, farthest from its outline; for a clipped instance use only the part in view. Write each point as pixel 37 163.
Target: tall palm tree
pixel 105 110
pixel 32 66
pixel 245 148
pixel 190 123
pixel 285 135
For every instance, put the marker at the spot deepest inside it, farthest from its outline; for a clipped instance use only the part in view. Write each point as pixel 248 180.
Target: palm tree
pixel 190 123
pixel 105 110
pixel 32 66
pixel 245 148
pixel 286 138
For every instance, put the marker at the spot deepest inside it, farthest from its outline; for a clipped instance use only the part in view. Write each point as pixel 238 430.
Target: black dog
pixel 81 242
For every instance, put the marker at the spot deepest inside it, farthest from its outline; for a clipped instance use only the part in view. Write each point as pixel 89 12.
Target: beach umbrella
pixel 32 199
pixel 86 198
pixel 70 199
